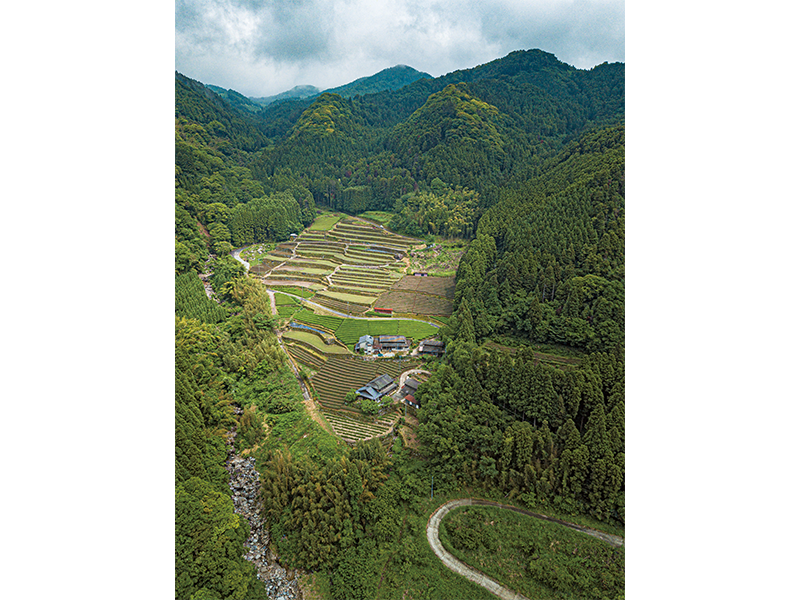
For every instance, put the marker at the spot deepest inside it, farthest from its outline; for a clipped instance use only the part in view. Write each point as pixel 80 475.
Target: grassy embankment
pixel 535 558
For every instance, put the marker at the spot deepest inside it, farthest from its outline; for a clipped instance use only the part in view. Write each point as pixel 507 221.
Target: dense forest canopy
pixel 524 159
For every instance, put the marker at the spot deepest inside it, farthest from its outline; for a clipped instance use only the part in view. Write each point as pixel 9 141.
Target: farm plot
pixel 340 374
pixel 325 222
pixel 350 330
pixel 314 341
pixel 349 263
pixel 302 292
pixel 313 263
pixel 320 246
pixel 352 288
pixel 265 267
pixel 352 431
pixel 284 300
pixel 294 278
pixel 342 307
pixel 420 295
pixel 373 233
pixel 415 303
pixel 288 310
pixel 438 286
pixel 342 284
pixel 306 356
pixel 379 277
pixel 292 268
pixel 325 322
pixel 354 298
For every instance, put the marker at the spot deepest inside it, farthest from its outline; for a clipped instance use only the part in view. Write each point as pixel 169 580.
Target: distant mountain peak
pixel 297 92
pixel 391 78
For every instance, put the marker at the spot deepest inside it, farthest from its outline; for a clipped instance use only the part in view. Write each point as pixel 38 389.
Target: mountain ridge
pixel 297 92
pixel 389 79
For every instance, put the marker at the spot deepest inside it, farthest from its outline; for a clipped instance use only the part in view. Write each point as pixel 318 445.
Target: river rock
pixel 244 485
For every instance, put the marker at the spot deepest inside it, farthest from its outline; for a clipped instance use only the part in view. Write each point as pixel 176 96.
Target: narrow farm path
pixel 406 261
pixel 346 316
pixel 308 401
pixel 455 565
pixel 405 375
pixel 271 295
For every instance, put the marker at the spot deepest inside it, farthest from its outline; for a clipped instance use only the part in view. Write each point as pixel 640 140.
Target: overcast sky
pixel 263 47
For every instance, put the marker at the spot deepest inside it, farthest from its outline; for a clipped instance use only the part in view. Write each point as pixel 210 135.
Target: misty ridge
pixel 392 78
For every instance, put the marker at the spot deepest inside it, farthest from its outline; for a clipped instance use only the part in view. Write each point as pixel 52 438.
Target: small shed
pixel 411 401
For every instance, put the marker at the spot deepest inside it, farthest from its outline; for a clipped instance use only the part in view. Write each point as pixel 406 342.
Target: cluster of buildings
pixel 381 344
pixel 383 385
pixel 409 391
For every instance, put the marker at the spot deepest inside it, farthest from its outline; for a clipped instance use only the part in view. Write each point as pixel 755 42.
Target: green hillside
pixel 512 173
pixel 390 79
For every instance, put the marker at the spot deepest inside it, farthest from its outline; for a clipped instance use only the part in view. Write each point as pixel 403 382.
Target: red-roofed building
pixel 411 401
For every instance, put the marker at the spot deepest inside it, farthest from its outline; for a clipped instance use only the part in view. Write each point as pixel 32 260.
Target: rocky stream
pixel 280 583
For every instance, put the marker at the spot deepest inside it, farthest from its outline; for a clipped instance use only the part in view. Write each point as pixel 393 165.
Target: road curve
pixel 455 565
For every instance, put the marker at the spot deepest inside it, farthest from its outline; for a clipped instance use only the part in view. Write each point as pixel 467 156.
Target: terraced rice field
pixel 420 295
pixel 325 322
pixel 350 262
pixel 349 298
pixel 286 305
pixel 340 374
pixel 306 356
pixel 349 330
pixel 314 341
pixel 352 430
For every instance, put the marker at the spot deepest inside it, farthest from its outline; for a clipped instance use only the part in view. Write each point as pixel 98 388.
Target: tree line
pixel 547 263
pixel 531 430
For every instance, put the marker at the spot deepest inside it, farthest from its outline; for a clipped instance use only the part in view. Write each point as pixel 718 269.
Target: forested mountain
pixel 483 128
pixel 523 159
pixel 548 260
pixel 297 92
pixel 236 99
pixel 389 79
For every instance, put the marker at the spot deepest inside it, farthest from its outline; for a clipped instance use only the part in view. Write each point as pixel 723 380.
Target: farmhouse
pixel 380 386
pixel 410 387
pixel 391 342
pixel 364 344
pixel 434 347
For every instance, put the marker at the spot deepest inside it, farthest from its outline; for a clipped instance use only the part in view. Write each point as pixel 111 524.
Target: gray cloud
pixel 263 47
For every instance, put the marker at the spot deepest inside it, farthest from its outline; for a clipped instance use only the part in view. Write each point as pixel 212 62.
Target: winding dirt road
pixel 455 565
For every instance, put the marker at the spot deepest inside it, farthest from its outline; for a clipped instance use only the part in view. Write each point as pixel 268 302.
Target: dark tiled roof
pixel 369 392
pixel 389 339
pixel 381 382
